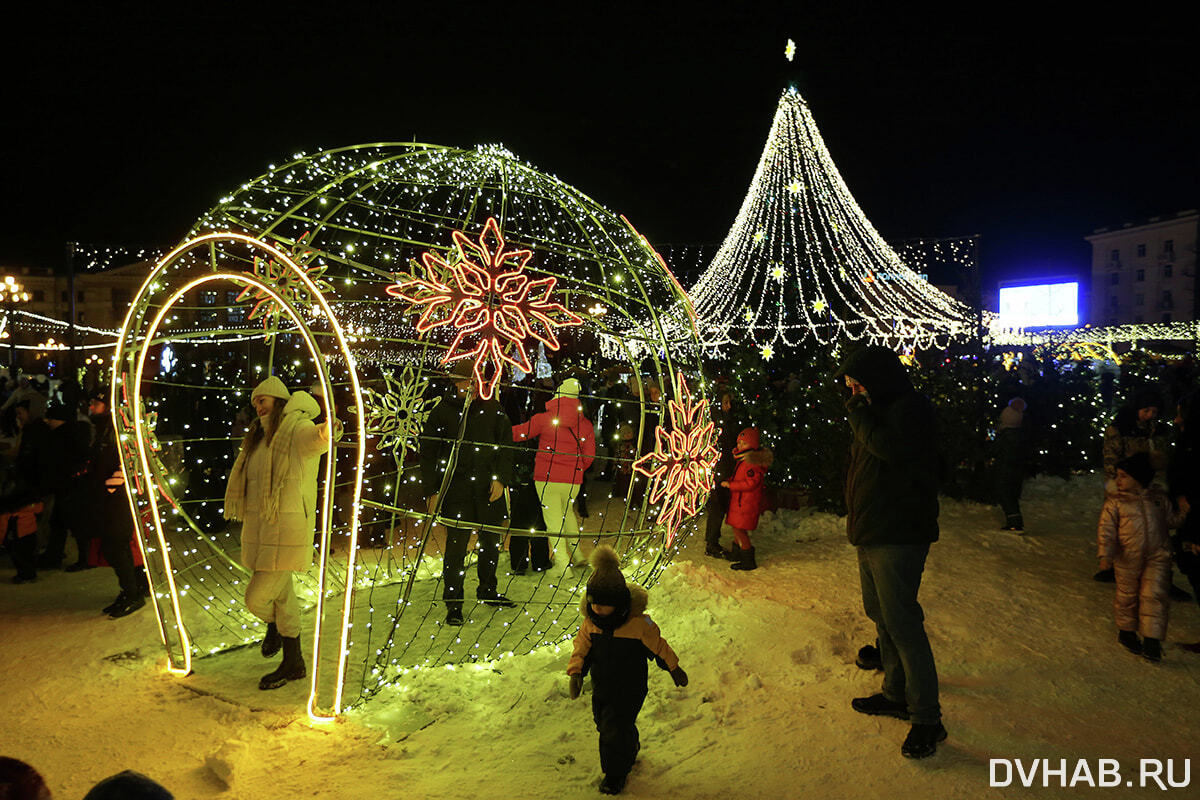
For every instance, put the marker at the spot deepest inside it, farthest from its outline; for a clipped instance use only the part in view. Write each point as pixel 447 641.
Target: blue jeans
pixel 891 577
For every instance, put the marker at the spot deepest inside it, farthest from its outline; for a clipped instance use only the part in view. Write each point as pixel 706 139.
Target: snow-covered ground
pixel 1025 643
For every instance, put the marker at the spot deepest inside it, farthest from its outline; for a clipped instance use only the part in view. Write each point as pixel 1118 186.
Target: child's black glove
pixel 576 686
pixel 679 676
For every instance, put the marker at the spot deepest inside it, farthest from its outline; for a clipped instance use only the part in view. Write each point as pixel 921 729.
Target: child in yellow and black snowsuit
pixel 614 643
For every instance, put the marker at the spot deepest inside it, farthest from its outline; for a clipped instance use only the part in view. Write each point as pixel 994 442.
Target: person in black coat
pixel 56 463
pixel 892 505
pixel 525 549
pixel 1011 447
pixel 1183 481
pixel 104 494
pixel 466 465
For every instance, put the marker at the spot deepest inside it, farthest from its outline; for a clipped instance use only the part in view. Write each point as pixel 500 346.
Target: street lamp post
pixel 11 293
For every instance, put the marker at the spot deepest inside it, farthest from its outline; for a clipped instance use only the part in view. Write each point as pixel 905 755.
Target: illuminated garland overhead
pixel 1107 335
pixel 802 263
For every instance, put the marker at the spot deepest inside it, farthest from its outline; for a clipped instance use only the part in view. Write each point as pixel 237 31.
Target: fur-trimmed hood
pixel 762 457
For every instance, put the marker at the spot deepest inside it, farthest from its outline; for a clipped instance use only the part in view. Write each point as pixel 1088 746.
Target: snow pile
pixel 1025 643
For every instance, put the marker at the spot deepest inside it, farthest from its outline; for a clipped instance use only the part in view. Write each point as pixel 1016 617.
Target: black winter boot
pixel 612 784
pixel 1129 640
pixel 869 657
pixel 114 605
pixel 272 641
pixel 1151 649
pixel 745 560
pixel 922 740
pixel 292 668
pixel 127 606
pixel 879 706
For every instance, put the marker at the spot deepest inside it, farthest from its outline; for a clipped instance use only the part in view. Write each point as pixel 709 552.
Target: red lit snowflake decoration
pixel 685 457
pixel 485 295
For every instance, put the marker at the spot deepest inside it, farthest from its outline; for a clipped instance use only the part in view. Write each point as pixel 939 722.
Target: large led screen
pixel 1040 305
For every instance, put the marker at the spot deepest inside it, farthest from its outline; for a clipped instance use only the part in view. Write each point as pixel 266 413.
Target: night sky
pixel 121 125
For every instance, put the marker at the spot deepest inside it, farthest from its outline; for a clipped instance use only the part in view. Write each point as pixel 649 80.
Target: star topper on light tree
pixel 685 457
pixel 485 296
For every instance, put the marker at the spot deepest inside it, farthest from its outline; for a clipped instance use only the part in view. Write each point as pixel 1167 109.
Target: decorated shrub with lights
pixel 366 275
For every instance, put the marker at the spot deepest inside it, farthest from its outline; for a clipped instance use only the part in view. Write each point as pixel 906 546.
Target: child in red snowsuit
pixel 745 495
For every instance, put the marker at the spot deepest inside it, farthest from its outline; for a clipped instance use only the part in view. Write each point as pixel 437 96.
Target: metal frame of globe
pixel 224 257
pixel 357 218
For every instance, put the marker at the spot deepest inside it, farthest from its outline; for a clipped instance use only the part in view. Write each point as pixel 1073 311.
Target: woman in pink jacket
pixel 566 447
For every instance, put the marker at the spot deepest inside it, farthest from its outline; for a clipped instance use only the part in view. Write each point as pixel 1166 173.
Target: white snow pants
pixel 558 512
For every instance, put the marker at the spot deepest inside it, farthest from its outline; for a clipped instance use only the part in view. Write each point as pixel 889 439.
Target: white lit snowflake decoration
pixel 398 415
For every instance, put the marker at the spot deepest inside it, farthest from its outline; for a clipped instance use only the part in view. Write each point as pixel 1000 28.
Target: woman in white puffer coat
pixel 273 490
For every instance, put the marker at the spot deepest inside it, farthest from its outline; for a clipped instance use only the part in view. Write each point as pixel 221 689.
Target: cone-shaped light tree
pixel 802 264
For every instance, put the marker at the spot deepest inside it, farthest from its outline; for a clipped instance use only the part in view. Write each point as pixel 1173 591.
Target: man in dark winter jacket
pixel 55 463
pixel 466 464
pixel 105 498
pixel 892 505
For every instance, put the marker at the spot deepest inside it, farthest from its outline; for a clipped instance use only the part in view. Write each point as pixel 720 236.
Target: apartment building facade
pixel 1145 273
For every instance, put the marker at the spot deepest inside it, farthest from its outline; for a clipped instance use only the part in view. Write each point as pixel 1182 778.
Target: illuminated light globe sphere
pixel 366 275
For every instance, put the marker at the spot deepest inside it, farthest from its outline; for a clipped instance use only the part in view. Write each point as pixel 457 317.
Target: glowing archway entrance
pixel 182 553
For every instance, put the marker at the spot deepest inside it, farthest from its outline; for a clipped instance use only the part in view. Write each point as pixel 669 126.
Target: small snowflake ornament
pixel 397 415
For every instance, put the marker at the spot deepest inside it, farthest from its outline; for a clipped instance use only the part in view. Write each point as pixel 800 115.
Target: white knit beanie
pixel 271 387
pixel 568 388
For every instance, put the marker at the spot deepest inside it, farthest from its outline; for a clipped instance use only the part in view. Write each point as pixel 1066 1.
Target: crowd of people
pixel 61 478
pixel 519 463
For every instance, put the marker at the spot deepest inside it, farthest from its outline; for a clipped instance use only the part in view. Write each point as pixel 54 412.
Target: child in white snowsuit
pixel 614 643
pixel 1133 541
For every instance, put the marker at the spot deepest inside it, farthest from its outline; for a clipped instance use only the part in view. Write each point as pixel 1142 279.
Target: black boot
pixel 922 740
pixel 114 605
pixel 1129 640
pixel 869 657
pixel 879 706
pixel 272 641
pixel 493 598
pixel 292 668
pixel 454 615
pixel 127 606
pixel 745 560
pixel 612 784
pixel 1151 649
